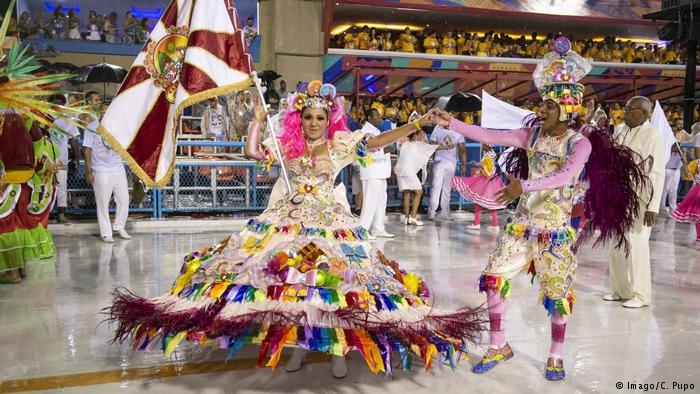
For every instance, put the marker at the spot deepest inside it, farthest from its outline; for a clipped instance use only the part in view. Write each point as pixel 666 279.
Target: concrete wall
pixel 292 40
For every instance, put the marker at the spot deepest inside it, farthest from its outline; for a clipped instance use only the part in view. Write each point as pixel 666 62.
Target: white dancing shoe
pixel 414 221
pixel 383 234
pixel 124 234
pixel 472 226
pixel 634 303
pixel 612 297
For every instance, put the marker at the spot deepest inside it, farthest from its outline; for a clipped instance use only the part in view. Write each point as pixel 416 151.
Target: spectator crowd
pixel 493 44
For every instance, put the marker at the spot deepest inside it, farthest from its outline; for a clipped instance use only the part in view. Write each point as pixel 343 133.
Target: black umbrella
pixel 101 72
pixel 459 102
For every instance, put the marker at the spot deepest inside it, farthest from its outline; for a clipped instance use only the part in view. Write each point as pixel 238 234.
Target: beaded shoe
pixel 555 369
pixel 492 358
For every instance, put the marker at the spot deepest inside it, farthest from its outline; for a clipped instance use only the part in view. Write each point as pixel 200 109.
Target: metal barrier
pixel 227 185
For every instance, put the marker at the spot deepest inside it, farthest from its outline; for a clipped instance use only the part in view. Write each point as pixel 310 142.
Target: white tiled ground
pixel 50 323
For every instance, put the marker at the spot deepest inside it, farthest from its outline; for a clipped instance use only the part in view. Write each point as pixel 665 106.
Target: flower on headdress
pixel 299 101
pixel 314 87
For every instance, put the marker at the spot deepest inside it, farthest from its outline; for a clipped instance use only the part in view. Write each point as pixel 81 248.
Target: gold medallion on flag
pixel 164 59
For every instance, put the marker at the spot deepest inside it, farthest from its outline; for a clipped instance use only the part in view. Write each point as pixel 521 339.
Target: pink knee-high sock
pixel 494 218
pixel 697 231
pixel 558 323
pixel 477 214
pixel 497 311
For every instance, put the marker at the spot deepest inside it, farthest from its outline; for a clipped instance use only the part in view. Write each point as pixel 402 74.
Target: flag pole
pixel 275 143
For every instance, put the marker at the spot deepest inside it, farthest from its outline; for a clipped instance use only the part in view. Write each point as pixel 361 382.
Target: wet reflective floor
pixel 52 339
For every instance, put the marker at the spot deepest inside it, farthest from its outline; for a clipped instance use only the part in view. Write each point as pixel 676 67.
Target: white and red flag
pixel 195 52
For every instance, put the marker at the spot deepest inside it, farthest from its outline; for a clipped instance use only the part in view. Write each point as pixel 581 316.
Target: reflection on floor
pixel 52 338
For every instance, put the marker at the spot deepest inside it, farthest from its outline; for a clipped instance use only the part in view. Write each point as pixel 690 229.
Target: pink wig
pixel 292 138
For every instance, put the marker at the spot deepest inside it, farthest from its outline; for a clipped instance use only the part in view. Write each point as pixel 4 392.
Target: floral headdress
pixel 314 94
pixel 557 78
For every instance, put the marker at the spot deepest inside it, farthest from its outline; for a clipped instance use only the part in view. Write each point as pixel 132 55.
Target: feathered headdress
pixel 557 75
pixel 20 89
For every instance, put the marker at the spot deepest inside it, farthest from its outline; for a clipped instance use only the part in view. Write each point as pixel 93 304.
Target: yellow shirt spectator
pixel 408 42
pixel 390 112
pixel 600 55
pixel 616 55
pixel 363 40
pixel 350 41
pixel 431 45
pixel 617 116
pixel 577 47
pixel 388 45
pixel 670 56
pixel 379 106
pixel 462 45
pixel 530 50
pixel 482 49
pixel 449 46
pixel 468 118
pixel 674 115
pixel 593 51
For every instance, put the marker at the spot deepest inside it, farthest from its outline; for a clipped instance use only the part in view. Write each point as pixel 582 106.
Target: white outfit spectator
pixel 444 167
pixel 630 274
pixel 105 170
pixel 94 33
pixel 214 121
pixel 671 181
pixel 374 178
pixel 62 175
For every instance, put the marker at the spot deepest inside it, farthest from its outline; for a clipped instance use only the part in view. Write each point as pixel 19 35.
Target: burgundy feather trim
pixel 134 315
pixel 616 174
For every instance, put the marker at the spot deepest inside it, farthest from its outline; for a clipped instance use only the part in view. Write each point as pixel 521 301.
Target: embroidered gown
pixel 300 274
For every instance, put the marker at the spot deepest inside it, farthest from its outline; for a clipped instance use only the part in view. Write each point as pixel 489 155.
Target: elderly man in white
pixel 374 178
pixel 630 275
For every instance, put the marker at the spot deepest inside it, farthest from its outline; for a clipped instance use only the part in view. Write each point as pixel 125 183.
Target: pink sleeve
pixel 253 143
pixel 580 151
pixel 518 138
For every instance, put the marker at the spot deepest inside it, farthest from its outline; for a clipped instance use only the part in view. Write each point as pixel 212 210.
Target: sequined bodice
pixel 549 208
pixel 313 177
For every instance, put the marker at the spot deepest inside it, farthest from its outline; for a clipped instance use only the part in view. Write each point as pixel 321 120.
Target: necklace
pixel 309 158
pixel 314 144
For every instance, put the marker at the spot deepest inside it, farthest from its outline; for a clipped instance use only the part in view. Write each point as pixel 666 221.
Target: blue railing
pixel 232 185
